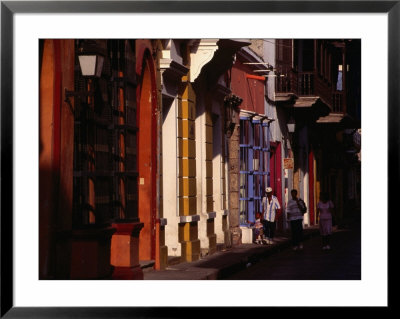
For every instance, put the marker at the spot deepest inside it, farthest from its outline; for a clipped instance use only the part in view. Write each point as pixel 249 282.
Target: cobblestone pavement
pixel 342 262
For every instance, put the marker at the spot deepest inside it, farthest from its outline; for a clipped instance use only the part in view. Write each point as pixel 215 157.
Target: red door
pixel 147 160
pixel 276 174
pixel 311 186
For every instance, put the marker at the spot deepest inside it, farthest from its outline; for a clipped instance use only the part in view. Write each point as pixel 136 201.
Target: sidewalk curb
pixel 223 264
pixel 255 257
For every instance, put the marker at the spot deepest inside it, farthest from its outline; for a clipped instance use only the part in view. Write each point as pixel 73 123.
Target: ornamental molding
pixel 171 74
pixel 212 215
pixel 189 219
pixel 170 68
pixel 201 52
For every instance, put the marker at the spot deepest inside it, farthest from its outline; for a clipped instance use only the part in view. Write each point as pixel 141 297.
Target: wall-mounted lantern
pixel 91 60
pixel 291 125
pixel 91 64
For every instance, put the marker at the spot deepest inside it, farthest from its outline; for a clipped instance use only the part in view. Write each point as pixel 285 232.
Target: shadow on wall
pixel 54 251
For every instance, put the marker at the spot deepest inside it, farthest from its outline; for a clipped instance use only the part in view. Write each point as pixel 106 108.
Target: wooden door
pixel 147 161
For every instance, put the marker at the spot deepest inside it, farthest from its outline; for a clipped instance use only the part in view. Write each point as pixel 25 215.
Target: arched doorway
pixel 147 102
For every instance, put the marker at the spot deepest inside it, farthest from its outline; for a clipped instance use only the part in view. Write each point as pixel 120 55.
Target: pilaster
pixel 187 189
pixel 167 230
pixel 232 103
pixel 234 164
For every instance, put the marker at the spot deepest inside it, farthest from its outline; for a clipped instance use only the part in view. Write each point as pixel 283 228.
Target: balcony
pixel 307 87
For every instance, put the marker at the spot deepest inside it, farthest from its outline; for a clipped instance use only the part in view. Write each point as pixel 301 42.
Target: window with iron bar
pixel 105 138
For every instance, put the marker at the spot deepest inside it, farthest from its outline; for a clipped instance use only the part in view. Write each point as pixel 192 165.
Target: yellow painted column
pixel 188 228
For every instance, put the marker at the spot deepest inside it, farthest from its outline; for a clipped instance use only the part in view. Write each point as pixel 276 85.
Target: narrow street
pixel 342 262
pixel 176 148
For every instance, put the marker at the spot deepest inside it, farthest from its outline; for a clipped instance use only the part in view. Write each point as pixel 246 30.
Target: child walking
pixel 258 232
pixel 325 212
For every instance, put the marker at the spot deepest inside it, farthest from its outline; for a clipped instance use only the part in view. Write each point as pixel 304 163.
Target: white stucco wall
pixel 169 149
pixel 218 166
pixel 201 174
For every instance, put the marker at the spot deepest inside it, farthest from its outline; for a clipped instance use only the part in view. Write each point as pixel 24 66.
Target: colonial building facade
pixel 133 160
pixel 319 89
pixel 97 192
pixel 162 153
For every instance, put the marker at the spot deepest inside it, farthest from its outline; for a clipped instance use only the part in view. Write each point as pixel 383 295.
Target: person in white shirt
pixel 271 208
pixel 295 216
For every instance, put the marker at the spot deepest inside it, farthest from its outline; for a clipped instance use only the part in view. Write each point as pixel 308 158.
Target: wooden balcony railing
pixel 300 83
pixel 283 84
pixel 337 102
pixel 310 84
pixel 305 83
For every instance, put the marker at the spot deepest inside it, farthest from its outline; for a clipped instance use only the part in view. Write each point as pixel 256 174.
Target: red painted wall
pixel 46 176
pixel 249 86
pixel 56 131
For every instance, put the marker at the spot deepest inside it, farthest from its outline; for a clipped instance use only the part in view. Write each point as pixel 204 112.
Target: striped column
pixel 188 228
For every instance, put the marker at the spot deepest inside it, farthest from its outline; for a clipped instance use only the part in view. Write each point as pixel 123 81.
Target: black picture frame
pixel 9 8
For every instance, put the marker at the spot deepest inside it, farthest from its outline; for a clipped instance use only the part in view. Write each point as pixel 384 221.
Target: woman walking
pixel 325 212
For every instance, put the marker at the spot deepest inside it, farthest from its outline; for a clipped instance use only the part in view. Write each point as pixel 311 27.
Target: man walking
pixel 295 210
pixel 271 209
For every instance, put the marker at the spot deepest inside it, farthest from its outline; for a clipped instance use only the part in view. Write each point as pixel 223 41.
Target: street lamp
pixel 91 61
pixel 91 58
pixel 91 65
pixel 291 125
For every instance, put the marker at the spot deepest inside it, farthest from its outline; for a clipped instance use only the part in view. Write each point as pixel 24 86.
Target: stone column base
pixel 190 250
pixel 212 244
pixel 161 261
pixel 163 257
pixel 236 235
pixel 227 239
